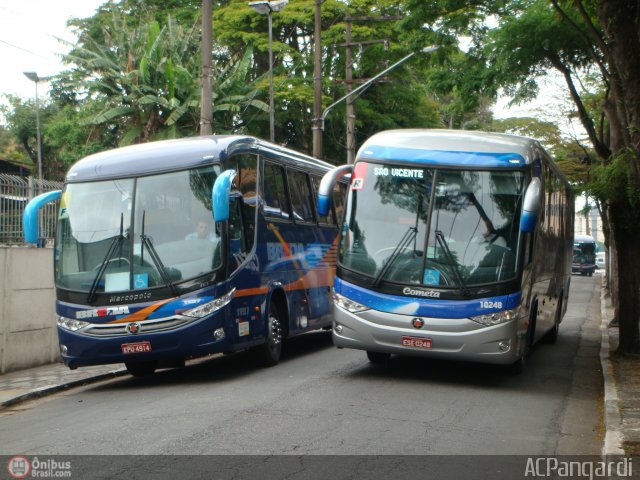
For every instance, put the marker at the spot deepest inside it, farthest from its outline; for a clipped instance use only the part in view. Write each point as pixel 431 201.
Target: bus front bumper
pixel 194 339
pixel 454 339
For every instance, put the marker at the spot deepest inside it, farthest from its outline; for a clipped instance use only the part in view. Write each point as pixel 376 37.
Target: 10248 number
pixel 496 305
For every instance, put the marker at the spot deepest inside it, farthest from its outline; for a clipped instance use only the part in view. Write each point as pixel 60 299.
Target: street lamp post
pixel 33 76
pixel 267 8
pixel 370 81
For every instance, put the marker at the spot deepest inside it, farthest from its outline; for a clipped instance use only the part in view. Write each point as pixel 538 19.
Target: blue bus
pixel 182 248
pixel 453 245
pixel 584 255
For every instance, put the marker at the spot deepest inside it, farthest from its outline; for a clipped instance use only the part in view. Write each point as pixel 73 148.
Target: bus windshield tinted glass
pixel 431 227
pixel 147 232
pixel 584 253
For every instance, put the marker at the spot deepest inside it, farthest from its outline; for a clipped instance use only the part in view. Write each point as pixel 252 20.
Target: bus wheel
pixel 378 358
pixel 552 335
pixel 141 369
pixel 518 366
pixel 272 348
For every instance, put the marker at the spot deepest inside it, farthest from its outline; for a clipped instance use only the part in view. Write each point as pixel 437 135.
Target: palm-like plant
pixel 147 78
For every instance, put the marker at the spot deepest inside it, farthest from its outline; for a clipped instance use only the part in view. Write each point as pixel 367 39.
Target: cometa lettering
pixel 421 293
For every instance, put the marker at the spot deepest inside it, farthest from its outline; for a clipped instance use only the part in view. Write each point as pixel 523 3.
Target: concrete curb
pixel 48 390
pixel 612 444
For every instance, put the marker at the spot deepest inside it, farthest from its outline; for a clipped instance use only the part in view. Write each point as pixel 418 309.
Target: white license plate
pixel 416 342
pixel 139 347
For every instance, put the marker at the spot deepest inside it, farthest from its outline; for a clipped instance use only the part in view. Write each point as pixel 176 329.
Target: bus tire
pixel 378 358
pixel 141 368
pixel 552 335
pixel 517 367
pixel 272 347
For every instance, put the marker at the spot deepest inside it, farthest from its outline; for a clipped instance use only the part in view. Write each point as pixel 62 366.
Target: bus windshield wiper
pixel 105 261
pixel 454 264
pixel 146 242
pixel 406 239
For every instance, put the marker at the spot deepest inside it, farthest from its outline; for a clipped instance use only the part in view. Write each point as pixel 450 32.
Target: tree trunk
pixel 619 21
pixel 612 268
pixel 626 231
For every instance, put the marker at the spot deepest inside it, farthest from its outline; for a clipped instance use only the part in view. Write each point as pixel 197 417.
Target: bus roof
pixel 170 155
pixel 583 239
pixel 451 147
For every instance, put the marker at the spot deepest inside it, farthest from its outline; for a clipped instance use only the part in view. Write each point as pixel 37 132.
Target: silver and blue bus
pixel 175 249
pixel 584 255
pixel 453 245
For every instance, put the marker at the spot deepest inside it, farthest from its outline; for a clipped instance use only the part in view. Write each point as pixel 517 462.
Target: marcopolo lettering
pixel 130 298
pixel 421 293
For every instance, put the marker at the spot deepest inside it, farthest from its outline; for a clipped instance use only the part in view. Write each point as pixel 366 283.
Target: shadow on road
pixel 220 368
pixel 547 365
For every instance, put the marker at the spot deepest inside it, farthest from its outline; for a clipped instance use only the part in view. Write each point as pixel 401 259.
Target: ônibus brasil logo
pixel 18 467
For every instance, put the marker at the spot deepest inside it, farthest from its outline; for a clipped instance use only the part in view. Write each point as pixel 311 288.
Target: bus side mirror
pixel 220 195
pixel 531 206
pixel 326 187
pixel 30 215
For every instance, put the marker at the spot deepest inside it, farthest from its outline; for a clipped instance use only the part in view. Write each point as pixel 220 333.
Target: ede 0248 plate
pixel 416 342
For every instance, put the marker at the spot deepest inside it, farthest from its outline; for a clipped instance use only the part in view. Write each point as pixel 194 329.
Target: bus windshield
pixel 584 252
pixel 437 228
pixel 133 234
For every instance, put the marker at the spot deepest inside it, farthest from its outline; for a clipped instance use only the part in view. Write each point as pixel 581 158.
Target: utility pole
pixel 206 108
pixel 348 44
pixel 317 82
pixel 351 116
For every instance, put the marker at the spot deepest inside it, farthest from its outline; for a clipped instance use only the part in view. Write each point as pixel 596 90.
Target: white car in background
pixel 600 260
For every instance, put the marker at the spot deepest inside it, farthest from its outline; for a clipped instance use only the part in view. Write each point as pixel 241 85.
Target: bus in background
pixel 584 255
pixel 181 248
pixel 454 245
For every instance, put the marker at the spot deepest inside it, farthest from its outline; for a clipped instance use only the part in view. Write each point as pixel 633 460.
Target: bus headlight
pixel 496 318
pixel 210 307
pixel 71 324
pixel 349 305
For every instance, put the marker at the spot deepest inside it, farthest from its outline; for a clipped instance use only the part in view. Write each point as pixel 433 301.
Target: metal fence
pixel 15 193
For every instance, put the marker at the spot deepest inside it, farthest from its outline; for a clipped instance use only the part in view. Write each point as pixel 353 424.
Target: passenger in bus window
pixel 202 232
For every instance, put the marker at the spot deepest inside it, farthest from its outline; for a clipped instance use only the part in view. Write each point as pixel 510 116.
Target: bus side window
pixel 301 198
pixel 339 193
pixel 328 219
pixel 246 182
pixel 275 195
pixel 237 240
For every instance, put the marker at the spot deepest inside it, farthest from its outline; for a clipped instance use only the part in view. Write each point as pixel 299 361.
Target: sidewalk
pixel 621 387
pixel 21 385
pixel 621 391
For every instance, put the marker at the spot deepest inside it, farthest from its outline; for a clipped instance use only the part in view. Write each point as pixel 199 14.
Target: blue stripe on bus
pixel 480 159
pixel 422 307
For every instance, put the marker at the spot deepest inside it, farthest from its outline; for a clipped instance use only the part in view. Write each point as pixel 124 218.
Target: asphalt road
pixel 321 400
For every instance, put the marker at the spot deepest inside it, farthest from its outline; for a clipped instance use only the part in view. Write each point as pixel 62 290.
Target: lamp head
pixel 265 7
pixel 33 76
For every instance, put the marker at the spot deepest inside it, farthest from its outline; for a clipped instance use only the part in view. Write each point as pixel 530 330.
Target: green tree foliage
pixel 146 76
pixel 65 136
pixel 580 39
pixel 399 100
pixel 11 151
